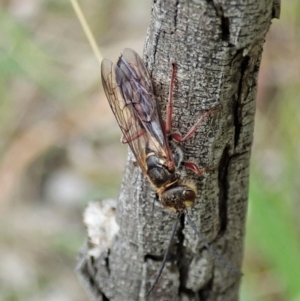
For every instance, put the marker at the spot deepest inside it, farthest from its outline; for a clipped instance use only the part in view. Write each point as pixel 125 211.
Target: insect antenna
pixel 209 248
pixel 165 255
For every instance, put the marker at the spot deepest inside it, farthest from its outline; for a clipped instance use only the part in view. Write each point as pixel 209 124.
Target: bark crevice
pixel 181 255
pixel 205 293
pixel 223 189
pixel 237 115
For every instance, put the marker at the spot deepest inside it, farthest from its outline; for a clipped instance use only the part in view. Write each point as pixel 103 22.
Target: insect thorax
pixel 158 174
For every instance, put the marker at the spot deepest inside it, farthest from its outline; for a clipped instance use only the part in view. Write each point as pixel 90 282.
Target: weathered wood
pixel 217 46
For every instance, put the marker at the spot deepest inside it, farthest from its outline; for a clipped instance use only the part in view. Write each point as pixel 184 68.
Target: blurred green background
pixel 59 146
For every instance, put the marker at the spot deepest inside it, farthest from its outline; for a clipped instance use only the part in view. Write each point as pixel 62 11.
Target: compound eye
pixel 189 195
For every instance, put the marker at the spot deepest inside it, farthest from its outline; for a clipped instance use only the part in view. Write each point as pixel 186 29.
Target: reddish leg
pixel 176 136
pixel 195 168
pixel 168 123
pixel 192 130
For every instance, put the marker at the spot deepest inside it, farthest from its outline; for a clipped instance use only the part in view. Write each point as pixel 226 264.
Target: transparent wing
pixel 128 88
pixel 133 133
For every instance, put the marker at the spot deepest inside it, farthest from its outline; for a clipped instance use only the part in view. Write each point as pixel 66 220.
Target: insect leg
pixel 199 171
pixel 177 136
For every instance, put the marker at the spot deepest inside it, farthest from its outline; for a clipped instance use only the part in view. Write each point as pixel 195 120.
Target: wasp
pixel 129 90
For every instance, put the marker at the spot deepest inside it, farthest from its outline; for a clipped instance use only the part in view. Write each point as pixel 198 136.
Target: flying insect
pixel 129 90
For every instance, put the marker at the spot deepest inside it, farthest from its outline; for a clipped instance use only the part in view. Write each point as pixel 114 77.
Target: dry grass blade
pixel 86 30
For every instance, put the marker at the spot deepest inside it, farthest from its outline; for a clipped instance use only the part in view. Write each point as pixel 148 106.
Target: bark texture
pixel 217 46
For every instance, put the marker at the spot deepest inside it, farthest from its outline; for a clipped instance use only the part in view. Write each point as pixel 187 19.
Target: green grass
pixel 273 219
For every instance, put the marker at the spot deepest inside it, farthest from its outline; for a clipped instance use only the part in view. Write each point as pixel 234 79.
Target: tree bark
pixel 217 47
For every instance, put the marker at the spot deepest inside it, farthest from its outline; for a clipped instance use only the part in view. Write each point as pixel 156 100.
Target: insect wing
pixel 133 66
pixel 128 87
pixel 145 105
pixel 133 132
